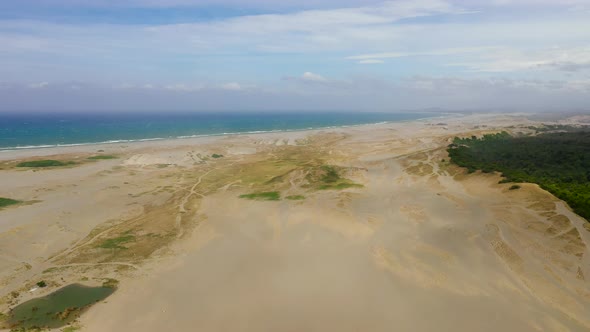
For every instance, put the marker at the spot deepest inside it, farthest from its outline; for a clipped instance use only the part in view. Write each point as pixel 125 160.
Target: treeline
pixel 559 128
pixel 558 162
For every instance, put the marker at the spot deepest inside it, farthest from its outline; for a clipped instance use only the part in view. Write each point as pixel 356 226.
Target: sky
pixel 357 55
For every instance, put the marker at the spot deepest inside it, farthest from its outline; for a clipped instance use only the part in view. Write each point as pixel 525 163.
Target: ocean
pixel 35 130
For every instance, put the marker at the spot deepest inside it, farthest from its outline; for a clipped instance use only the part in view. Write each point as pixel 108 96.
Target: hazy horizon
pixel 62 55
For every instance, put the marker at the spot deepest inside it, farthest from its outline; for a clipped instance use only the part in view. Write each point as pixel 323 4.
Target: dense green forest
pixel 558 162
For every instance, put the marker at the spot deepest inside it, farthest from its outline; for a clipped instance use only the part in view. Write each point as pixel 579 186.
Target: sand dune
pixel 421 246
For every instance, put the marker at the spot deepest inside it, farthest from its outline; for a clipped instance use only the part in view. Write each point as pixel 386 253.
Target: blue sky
pixel 80 55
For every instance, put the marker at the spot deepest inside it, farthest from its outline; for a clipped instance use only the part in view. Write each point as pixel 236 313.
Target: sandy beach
pixel 405 242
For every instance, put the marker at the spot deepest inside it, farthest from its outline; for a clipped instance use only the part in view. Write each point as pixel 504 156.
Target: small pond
pixel 58 308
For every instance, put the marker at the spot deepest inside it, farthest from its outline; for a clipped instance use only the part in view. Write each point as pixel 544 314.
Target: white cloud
pixel 370 62
pixel 183 87
pixel 196 3
pixel 440 52
pixel 538 2
pixel 501 59
pixel 233 86
pixel 513 59
pixel 125 86
pixel 269 4
pixel 311 77
pixel 39 85
pixel 253 48
pixel 303 31
pixel 453 93
pixel 147 86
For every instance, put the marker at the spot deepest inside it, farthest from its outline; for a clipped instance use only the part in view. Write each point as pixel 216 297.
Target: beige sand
pixel 421 247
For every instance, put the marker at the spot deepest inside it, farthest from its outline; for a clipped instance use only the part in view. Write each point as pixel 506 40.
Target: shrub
pixel 263 196
pixel 116 243
pixel 295 197
pixel 7 201
pixel 44 163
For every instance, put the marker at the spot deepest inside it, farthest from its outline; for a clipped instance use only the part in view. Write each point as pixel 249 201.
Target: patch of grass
pixel 328 177
pixel 70 329
pixel 42 284
pixel 263 196
pixel 7 202
pixel 514 187
pixel 331 174
pixel 3 320
pixel 45 163
pixel 50 270
pixel 110 283
pixel 340 186
pixel 295 197
pixel 116 243
pixel 215 155
pixel 102 157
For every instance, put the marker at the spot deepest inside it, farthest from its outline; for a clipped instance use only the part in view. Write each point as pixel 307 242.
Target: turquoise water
pixel 18 131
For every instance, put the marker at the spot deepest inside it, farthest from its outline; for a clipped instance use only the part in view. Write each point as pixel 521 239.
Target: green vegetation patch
pixel 263 196
pixel 514 187
pixel 45 163
pixel 56 309
pixel 51 270
pixel 7 202
pixel 340 186
pixel 116 243
pixel 557 162
pixel 215 155
pixel 102 157
pixel 328 177
pixel 331 174
pixel 110 283
pixel 295 197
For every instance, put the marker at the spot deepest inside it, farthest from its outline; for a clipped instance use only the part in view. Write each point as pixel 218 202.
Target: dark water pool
pixel 58 308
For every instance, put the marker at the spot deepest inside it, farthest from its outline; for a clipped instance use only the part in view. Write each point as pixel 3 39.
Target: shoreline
pixel 45 150
pixel 122 140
